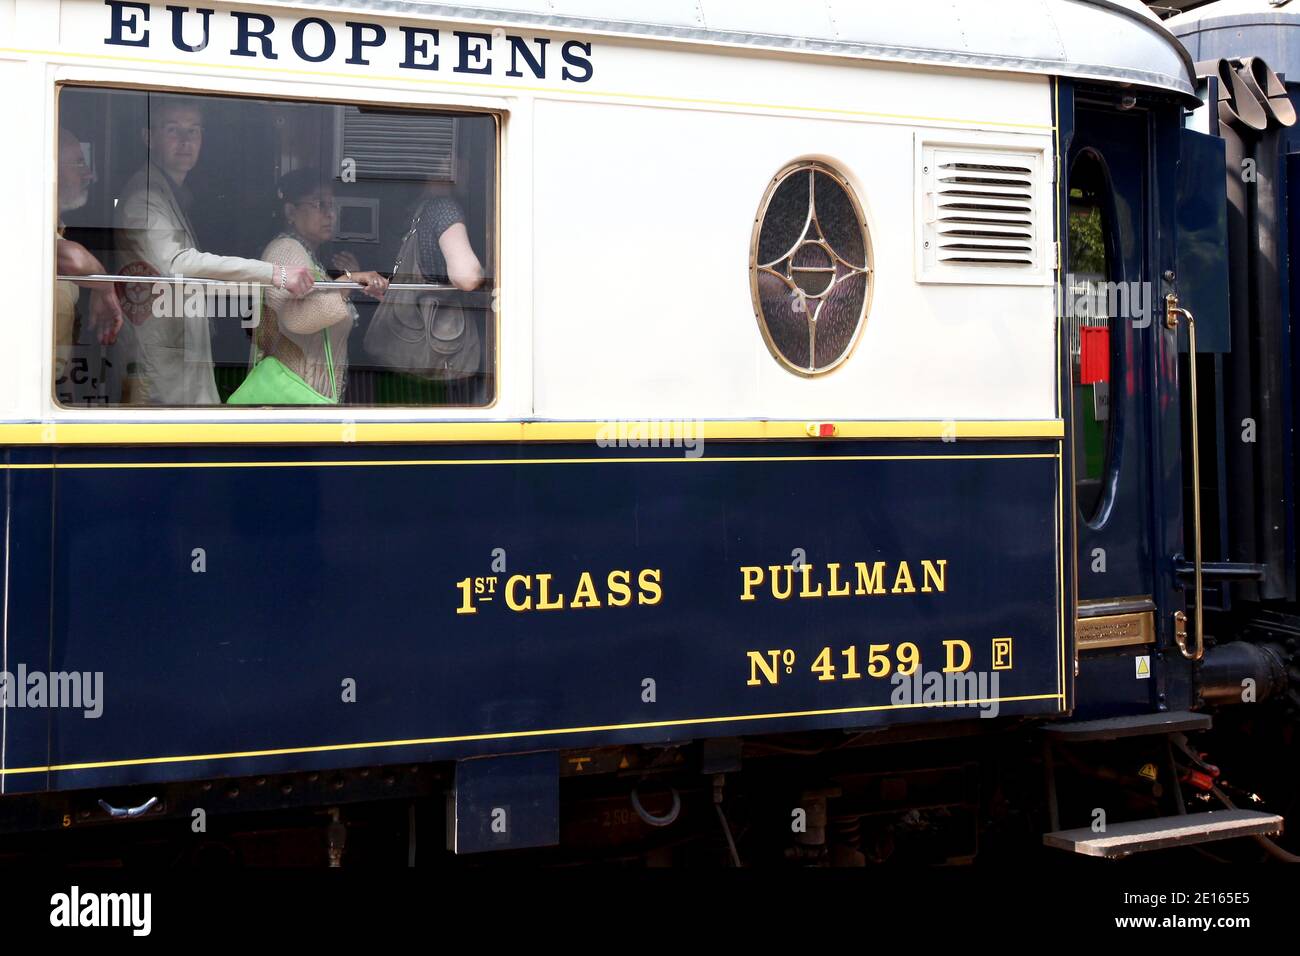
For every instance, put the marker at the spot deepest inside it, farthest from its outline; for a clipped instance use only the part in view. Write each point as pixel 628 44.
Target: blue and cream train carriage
pixel 819 435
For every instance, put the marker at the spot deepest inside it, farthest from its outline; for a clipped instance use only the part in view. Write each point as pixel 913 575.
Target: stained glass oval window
pixel 810 268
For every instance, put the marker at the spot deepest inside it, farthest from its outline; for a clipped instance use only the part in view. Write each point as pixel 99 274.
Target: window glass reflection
pixel 1091 281
pixel 238 218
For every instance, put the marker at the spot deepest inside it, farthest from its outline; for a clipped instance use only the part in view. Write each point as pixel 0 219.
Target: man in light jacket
pixel 169 354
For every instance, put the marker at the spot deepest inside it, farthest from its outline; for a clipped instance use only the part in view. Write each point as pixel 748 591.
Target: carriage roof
pixel 1232 28
pixel 1111 40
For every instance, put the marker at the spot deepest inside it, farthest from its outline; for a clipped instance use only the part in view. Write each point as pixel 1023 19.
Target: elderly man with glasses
pixel 74 259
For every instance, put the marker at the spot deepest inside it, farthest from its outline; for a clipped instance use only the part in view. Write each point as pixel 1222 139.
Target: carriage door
pixel 1109 323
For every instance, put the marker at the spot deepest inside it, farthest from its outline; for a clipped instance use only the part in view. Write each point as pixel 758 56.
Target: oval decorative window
pixel 810 268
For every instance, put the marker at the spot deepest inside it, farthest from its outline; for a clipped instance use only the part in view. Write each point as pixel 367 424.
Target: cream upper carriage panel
pixel 1113 40
pixel 634 162
pixel 642 291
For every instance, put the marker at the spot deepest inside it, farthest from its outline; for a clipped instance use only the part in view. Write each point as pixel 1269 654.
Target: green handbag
pixel 271 382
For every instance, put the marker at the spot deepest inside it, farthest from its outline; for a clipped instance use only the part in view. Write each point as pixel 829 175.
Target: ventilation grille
pixel 404 146
pixel 980 213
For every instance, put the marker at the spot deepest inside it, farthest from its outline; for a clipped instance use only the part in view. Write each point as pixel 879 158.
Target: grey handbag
pixel 422 333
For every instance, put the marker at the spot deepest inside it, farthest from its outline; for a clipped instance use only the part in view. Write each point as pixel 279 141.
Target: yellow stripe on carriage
pixel 617 433
pixel 504 735
pixel 507 89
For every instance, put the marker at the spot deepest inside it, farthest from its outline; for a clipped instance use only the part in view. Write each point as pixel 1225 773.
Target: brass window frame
pixel 813 166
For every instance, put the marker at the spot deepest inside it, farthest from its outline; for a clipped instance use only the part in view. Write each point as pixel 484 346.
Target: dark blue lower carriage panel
pixel 257 610
pixel 510 802
pixel 25 645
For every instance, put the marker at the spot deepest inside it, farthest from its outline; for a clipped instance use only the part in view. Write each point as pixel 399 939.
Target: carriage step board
pixel 1138 725
pixel 1122 839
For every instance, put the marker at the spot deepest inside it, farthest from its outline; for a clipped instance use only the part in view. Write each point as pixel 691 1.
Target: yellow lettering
pixel 585 595
pixel 620 595
pixel 823 666
pixel 750 578
pixel 871 580
pixel 903 580
pixel 648 581
pixel 934 571
pixel 834 590
pixel 789 580
pixel 759 665
pixel 544 603
pixel 806 591
pixel 467 602
pixel 511 602
pixel 851 668
pixel 951 647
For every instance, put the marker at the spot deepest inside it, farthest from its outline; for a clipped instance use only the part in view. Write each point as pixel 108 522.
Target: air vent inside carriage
pixel 396 145
pixel 980 212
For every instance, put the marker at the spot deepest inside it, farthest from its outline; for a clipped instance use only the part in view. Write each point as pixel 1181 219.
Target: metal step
pixel 1137 725
pixel 1123 839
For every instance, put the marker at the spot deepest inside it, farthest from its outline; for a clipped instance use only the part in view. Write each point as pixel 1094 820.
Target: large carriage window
pixel 810 269
pixel 246 252
pixel 1091 281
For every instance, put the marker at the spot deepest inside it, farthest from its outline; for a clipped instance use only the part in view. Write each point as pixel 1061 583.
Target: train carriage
pixel 818 393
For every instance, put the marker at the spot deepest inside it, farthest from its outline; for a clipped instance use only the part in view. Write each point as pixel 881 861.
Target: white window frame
pixel 512 400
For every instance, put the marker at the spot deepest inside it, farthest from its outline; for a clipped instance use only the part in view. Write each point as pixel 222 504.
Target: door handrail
pixel 1172 314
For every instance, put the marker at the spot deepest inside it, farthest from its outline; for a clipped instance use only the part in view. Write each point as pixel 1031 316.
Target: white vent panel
pixel 985 215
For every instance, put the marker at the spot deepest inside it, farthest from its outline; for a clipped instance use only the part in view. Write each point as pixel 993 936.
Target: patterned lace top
pixel 290 329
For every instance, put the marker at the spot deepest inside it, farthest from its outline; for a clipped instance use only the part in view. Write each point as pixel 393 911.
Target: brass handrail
pixel 1172 313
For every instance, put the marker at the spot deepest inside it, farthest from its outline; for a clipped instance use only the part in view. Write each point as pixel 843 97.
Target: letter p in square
pixel 1002 653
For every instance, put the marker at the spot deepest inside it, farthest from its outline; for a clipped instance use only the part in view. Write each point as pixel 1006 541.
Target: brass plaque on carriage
pixel 1115 630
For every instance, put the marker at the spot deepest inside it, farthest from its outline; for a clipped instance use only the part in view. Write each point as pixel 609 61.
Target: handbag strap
pixel 415 224
pixel 417 272
pixel 329 361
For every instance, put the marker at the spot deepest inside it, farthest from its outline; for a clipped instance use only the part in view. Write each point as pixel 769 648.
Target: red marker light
pixel 1094 355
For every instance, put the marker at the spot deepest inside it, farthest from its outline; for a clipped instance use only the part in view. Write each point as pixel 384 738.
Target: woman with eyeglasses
pixel 291 328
